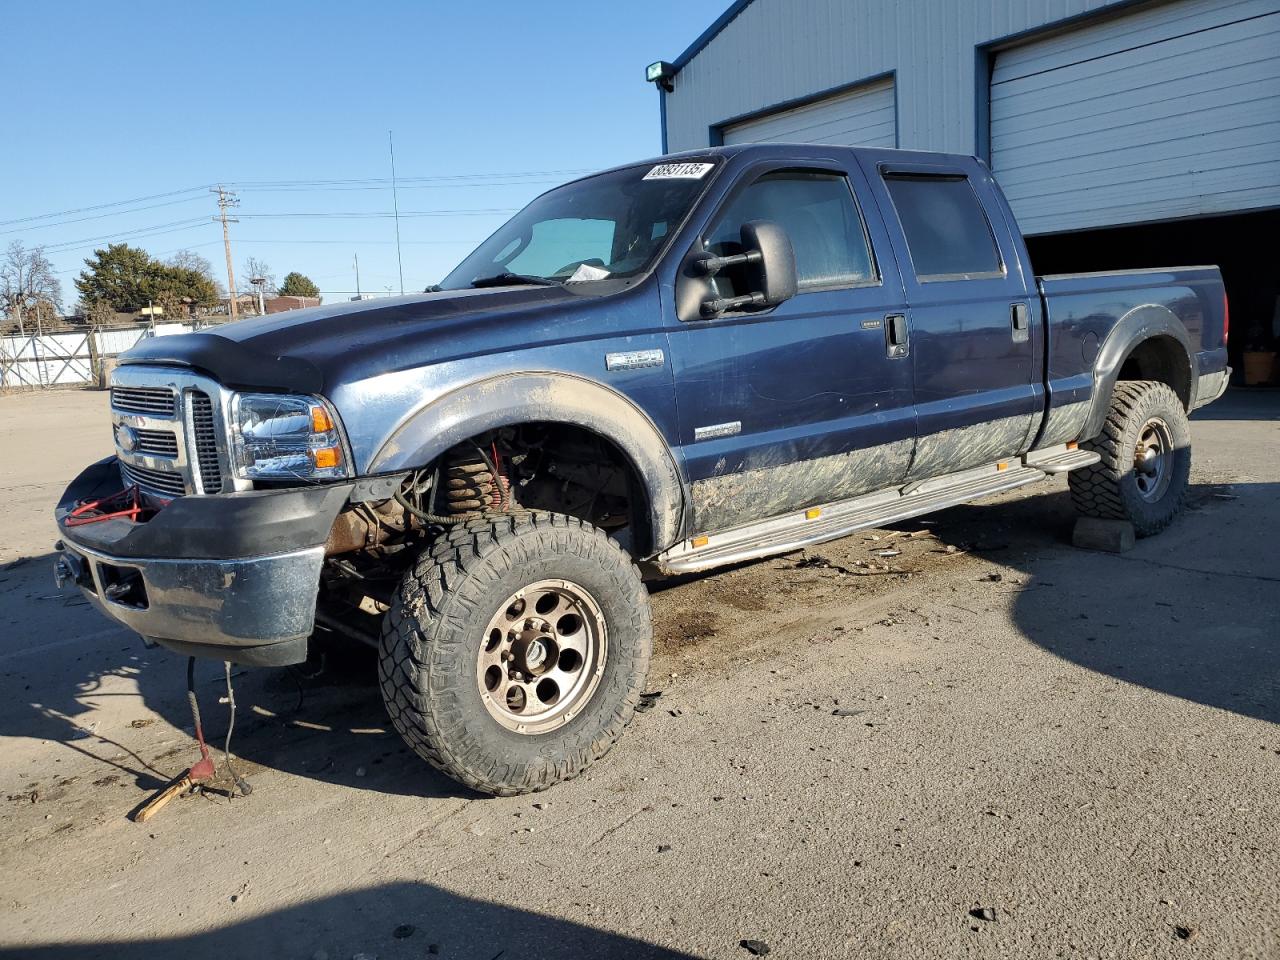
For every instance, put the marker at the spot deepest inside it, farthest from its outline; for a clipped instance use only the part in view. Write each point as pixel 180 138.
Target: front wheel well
pixel 566 469
pixel 1163 359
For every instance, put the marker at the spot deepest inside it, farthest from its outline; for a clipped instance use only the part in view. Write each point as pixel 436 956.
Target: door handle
pixel 896 336
pixel 1020 318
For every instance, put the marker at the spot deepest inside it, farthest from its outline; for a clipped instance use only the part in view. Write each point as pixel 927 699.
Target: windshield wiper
pixel 513 279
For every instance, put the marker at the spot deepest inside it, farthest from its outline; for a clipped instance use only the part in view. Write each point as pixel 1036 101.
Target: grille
pixel 206 442
pixel 154 481
pixel 152 401
pixel 158 443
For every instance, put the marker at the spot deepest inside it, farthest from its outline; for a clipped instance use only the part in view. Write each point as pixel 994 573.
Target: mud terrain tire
pixel 435 634
pixel 1145 446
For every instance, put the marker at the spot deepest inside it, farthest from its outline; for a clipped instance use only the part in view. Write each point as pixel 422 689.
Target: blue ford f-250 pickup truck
pixel 686 362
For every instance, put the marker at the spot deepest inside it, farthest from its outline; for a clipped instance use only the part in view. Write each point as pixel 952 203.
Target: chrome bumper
pixel 248 610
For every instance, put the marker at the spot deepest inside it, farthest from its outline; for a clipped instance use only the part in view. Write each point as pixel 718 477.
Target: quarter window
pixel 818 213
pixel 947 231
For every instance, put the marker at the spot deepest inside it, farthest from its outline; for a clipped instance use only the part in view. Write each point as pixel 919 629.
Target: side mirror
pixel 769 263
pixel 774 274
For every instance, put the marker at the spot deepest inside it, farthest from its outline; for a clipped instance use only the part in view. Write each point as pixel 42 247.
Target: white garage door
pixel 1171 112
pixel 865 117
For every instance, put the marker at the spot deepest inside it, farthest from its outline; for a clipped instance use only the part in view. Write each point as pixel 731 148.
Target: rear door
pixel 799 404
pixel 974 317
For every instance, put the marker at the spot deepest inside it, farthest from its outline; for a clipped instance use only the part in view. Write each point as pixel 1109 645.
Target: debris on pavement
pixel 757 948
pixel 846 712
pixel 1186 933
pixel 404 931
pixel 984 913
pixel 647 700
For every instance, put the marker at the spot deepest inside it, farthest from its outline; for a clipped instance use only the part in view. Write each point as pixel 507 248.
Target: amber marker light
pixel 321 422
pixel 326 457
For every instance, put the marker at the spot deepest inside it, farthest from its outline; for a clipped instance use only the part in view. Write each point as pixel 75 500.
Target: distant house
pixel 281 304
pixel 246 303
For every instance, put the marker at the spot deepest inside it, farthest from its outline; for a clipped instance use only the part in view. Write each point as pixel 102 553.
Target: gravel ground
pixel 1017 749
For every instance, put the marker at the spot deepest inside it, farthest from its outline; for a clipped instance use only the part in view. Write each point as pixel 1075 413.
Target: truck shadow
pixel 96 691
pixel 1193 612
pixel 389 921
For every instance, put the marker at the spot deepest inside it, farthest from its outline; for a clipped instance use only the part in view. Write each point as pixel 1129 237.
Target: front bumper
pixel 232 577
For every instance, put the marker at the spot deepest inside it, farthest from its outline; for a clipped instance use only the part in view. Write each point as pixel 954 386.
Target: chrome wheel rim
pixel 541 656
pixel 1153 459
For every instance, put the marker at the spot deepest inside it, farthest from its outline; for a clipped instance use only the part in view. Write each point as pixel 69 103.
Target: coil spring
pixel 470 486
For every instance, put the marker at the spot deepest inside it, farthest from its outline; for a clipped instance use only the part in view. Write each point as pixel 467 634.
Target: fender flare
pixel 1140 324
pixel 511 399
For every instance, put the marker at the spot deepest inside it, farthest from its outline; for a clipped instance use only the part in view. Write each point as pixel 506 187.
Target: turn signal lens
pixel 813 513
pixel 699 542
pixel 321 422
pixel 326 458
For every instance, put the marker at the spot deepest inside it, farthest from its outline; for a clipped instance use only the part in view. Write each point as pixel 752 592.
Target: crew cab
pixel 672 365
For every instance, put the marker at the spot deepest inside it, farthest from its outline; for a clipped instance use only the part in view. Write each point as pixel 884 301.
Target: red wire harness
pixel 126 504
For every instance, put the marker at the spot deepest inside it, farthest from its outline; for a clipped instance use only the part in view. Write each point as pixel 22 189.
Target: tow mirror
pixel 769 263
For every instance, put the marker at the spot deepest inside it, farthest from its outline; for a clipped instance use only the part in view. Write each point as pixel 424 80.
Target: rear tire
pixel 1145 445
pixel 515 651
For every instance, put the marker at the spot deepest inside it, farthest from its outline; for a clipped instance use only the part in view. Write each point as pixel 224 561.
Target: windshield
pixel 605 227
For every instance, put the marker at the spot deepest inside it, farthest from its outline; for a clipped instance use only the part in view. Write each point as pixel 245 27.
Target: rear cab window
pixel 818 212
pixel 947 232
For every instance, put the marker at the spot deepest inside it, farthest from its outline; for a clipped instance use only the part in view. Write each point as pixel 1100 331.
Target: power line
pixel 386 181
pixel 376 214
pixel 138 232
pixel 360 242
pixel 97 216
pixel 402 185
pixel 518 178
pixel 100 206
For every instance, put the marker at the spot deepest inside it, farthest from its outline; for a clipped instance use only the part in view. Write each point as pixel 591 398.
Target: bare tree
pixel 190 260
pixel 28 284
pixel 253 267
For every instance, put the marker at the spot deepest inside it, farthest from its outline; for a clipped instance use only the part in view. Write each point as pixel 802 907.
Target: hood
pixel 312 350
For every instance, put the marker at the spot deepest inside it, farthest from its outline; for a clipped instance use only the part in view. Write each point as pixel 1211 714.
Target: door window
pixel 946 229
pixel 818 213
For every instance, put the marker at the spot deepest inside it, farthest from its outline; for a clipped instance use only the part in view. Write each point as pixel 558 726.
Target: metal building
pixel 1125 134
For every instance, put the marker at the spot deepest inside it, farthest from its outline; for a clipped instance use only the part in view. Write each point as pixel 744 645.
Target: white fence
pixel 55 359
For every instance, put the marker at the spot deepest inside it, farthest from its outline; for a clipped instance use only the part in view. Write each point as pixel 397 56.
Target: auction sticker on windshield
pixel 679 171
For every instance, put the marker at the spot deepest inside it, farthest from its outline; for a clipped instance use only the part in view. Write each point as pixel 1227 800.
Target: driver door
pixel 799 404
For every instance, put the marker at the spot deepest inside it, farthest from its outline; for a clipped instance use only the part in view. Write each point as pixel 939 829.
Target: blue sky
pixel 125 101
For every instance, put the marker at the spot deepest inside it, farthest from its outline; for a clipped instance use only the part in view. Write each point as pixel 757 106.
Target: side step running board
pixel 1058 460
pixel 832 521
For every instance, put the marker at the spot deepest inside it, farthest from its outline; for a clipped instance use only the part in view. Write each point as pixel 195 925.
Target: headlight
pixel 277 437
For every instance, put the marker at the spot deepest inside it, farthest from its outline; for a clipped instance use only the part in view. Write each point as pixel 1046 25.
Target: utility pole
pixel 395 202
pixel 226 200
pixel 357 257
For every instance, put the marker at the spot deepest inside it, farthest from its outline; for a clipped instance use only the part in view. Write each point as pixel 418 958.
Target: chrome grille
pixel 206 442
pixel 159 443
pixel 153 481
pixel 152 401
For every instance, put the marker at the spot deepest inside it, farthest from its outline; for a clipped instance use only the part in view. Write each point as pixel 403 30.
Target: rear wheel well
pixel 1163 359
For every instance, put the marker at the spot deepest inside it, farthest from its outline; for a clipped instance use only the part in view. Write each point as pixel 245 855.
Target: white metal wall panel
pixel 1173 111
pixel 775 51
pixel 865 117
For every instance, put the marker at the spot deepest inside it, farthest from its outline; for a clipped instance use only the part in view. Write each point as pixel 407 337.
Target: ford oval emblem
pixel 126 438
